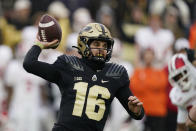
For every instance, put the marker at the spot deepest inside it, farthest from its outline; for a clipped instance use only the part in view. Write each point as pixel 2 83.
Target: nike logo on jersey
pixel 102 81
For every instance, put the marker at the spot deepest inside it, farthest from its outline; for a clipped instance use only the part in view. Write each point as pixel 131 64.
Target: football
pixel 49 30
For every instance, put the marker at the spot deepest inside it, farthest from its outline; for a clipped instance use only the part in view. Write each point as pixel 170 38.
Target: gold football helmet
pixel 91 32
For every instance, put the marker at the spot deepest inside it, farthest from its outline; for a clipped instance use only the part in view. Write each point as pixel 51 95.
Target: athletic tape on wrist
pixel 40 45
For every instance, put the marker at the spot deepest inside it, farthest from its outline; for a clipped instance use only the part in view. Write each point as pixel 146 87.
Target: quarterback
pixel 88 84
pixel 182 76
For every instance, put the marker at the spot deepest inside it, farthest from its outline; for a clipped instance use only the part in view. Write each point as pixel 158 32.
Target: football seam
pixel 45 25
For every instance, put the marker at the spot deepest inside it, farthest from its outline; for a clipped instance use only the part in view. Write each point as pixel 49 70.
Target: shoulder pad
pixel 180 98
pixel 115 70
pixel 74 61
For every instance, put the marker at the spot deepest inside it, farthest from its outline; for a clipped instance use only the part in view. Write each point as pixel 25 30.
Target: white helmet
pixel 181 72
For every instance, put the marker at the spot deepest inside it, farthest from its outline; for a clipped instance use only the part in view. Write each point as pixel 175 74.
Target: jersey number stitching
pixel 92 100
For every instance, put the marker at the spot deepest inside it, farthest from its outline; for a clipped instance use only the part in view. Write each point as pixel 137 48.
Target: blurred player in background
pixel 180 46
pixel 24 97
pixel 182 76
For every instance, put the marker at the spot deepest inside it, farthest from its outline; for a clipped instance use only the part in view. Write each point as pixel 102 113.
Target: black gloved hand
pixel 190 54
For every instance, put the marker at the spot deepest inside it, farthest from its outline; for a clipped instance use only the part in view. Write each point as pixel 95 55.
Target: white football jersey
pixel 184 101
pixel 25 85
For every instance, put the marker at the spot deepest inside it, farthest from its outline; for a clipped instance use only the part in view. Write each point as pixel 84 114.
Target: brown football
pixel 49 30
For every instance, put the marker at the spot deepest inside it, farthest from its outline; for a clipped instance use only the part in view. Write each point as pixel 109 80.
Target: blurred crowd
pixel 149 31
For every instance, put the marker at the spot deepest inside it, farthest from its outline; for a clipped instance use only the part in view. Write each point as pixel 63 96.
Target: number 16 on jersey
pixel 92 101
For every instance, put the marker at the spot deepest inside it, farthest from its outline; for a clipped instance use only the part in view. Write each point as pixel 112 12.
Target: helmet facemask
pixel 182 78
pixel 100 57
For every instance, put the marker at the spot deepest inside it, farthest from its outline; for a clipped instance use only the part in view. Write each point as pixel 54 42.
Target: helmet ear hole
pixel 83 39
pixel 80 45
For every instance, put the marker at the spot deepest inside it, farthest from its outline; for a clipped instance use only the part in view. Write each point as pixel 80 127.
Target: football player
pixel 88 84
pixel 182 76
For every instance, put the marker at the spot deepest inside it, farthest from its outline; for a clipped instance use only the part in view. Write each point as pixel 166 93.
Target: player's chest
pixel 92 84
pixel 186 99
pixel 95 78
pixel 93 93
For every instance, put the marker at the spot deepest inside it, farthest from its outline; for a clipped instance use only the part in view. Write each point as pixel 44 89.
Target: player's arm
pixel 191 121
pixel 131 103
pixel 42 69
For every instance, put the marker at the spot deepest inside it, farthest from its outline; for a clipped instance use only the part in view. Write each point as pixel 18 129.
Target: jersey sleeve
pixel 47 71
pixel 123 94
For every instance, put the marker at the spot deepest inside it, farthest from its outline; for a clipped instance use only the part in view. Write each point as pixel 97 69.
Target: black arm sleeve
pixel 123 95
pixel 42 69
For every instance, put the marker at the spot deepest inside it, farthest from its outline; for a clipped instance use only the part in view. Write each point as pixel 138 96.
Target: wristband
pixel 191 118
pixel 39 44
